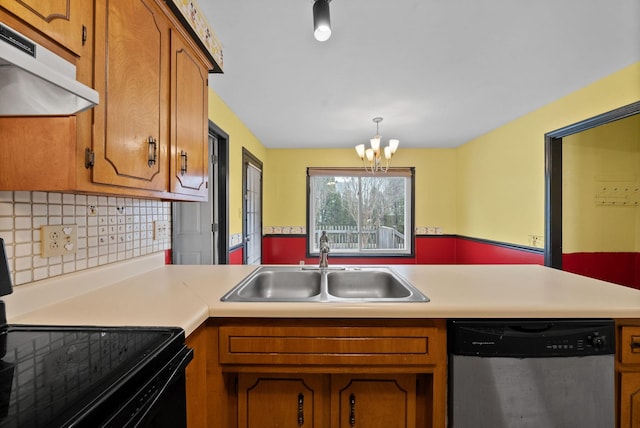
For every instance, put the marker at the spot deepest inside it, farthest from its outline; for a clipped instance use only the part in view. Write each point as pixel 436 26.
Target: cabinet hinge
pixel 89 158
pixel 214 227
pixel 214 159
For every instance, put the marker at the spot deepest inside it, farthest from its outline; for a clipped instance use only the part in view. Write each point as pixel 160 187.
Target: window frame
pixel 407 172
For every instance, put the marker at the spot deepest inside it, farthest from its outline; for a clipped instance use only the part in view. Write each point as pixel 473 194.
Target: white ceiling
pixel 440 72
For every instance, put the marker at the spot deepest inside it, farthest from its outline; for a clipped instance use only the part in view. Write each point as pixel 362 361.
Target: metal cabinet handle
pixel 300 409
pixel 153 151
pixel 183 162
pixel 352 410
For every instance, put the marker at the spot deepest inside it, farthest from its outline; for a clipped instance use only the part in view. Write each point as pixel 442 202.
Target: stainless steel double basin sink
pixel 332 284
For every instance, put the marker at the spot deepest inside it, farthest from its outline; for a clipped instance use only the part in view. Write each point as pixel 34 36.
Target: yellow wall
pixel 285 183
pixel 491 187
pixel 600 172
pixel 500 194
pixel 239 136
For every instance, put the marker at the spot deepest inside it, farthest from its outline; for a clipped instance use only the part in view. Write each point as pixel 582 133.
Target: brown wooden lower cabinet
pixel 387 401
pixel 281 400
pixel 628 372
pixel 630 400
pixel 328 374
pixel 196 379
pixel 344 374
pixel 315 400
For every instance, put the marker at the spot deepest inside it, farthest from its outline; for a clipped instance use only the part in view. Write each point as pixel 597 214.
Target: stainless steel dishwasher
pixel 546 373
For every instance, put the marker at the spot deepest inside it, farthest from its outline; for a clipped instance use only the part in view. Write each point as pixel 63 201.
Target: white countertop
pixel 145 292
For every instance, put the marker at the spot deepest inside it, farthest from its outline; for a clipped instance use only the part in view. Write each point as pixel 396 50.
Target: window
pixel 362 213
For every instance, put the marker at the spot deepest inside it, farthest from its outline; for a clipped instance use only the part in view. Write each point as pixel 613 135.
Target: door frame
pixel 553 177
pixel 248 157
pixel 222 192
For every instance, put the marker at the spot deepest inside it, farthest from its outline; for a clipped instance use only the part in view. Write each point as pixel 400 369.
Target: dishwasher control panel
pixel 531 337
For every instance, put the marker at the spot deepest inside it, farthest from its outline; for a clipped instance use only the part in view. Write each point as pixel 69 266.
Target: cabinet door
pixel 131 69
pixel 281 401
pixel 373 401
pixel 60 20
pixel 189 121
pixel 630 400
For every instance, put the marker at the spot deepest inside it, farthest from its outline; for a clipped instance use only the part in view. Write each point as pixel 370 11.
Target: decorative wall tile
pixel 235 240
pixel 284 230
pixel 107 230
pixel 428 230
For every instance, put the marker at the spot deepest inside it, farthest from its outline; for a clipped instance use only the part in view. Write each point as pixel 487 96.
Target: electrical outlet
pixel 58 240
pixel 536 241
pixel 161 230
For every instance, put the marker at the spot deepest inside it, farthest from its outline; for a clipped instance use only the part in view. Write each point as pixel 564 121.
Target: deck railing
pixel 346 238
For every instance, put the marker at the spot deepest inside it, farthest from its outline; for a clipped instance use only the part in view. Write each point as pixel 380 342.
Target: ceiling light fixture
pixel 373 155
pixel 321 20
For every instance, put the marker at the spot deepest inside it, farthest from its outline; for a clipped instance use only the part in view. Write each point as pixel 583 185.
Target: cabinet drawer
pixel 310 345
pixel 630 345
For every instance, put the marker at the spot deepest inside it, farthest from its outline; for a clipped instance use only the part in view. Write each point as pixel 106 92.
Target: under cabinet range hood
pixel 36 82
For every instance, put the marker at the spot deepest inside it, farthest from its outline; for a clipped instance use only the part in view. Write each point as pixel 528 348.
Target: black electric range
pixel 87 376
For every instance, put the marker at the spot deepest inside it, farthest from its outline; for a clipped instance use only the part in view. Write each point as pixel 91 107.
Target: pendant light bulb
pixel 321 20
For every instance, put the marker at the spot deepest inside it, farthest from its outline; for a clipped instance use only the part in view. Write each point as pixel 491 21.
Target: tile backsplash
pixel 109 229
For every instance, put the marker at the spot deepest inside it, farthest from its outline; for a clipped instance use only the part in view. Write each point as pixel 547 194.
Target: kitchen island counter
pixel 186 296
pixel 455 291
pixel 145 292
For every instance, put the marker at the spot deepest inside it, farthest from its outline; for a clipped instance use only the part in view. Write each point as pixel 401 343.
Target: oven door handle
pixel 171 372
pixel 140 405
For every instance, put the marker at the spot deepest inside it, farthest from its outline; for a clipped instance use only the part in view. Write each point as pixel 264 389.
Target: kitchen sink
pixel 366 285
pixel 280 284
pixel 332 284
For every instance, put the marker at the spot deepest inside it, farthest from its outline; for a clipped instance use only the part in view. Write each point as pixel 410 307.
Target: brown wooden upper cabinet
pixel 63 21
pixel 132 73
pixel 189 120
pixel 147 137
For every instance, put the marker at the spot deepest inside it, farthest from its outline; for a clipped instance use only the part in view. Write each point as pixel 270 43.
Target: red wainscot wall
pixel 619 268
pixel 236 255
pixel 429 249
pixel 436 249
pixel 477 251
pixel 292 249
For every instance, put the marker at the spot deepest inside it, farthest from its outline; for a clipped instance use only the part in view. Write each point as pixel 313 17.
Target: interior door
pixel 198 228
pixel 252 224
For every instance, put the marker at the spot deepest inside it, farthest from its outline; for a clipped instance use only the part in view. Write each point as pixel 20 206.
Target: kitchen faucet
pixel 324 250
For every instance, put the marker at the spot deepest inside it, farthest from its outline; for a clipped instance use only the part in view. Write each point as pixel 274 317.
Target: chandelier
pixel 373 155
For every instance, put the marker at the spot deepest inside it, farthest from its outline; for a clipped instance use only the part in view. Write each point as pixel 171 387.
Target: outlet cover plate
pixel 161 230
pixel 58 240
